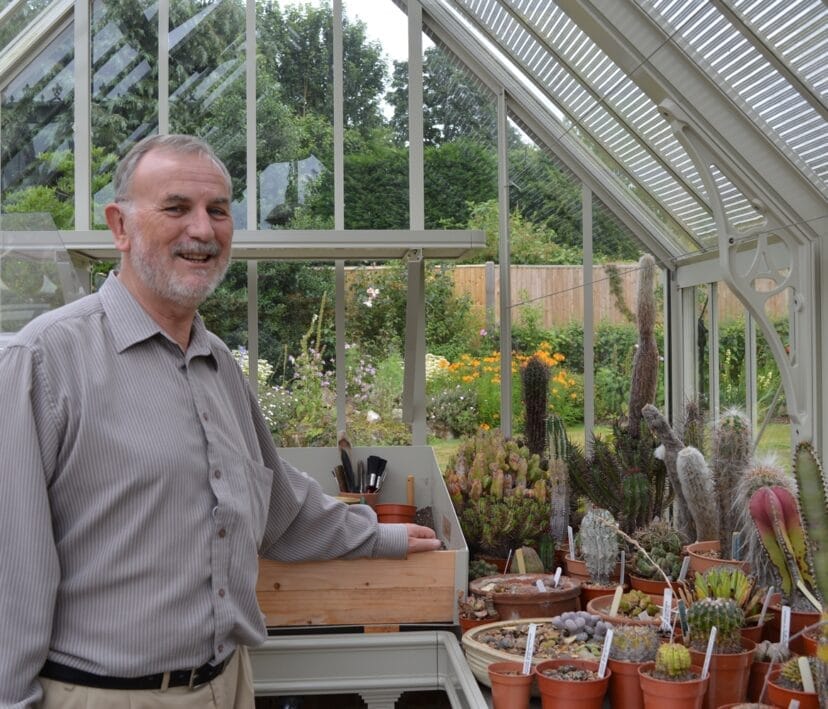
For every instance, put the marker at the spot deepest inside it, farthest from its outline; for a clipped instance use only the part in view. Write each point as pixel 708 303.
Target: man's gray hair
pixel 175 143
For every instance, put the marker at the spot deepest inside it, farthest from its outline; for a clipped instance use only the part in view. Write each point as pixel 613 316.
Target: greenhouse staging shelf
pixel 379 667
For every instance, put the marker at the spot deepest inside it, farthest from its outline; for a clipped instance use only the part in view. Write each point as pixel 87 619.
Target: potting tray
pixel 422 589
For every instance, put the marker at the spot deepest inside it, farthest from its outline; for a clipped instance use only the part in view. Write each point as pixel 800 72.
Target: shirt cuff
pixel 392 541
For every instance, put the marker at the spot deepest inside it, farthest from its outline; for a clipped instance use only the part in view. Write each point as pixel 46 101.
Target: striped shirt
pixel 139 486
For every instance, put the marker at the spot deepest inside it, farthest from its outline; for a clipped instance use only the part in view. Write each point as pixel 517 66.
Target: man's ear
pixel 116 221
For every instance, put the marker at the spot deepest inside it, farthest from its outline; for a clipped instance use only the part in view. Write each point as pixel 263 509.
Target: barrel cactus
pixel 673 662
pixel 634 643
pixel 728 619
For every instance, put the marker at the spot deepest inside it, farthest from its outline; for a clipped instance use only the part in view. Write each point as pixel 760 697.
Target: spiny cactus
pixel 731 444
pixel 766 651
pixel 599 544
pixel 645 361
pixel 763 472
pixel 634 643
pixel 730 582
pixel 535 379
pixel 692 428
pixel 672 446
pixel 663 544
pixel 723 613
pixel 558 473
pixel 813 501
pixel 672 662
pixel 699 489
pixel 791 674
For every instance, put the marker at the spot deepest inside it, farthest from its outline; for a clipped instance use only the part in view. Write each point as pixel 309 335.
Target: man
pixel 140 481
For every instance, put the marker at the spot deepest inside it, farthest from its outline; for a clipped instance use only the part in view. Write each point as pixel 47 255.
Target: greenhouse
pixel 535 259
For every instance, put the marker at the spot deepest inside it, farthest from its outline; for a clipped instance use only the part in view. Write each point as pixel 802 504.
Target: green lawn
pixel 776 439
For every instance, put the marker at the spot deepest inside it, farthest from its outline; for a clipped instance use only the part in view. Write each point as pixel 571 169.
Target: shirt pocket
pixel 259 479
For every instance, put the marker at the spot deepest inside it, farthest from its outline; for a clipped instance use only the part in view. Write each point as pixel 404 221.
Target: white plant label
pixel 602 664
pixel 571 538
pixel 667 608
pixel 623 565
pixel 785 626
pixel 765 605
pixel 616 600
pixel 685 567
pixel 711 643
pixel 539 585
pixel 806 674
pixel 556 579
pixel 530 648
pixel 793 704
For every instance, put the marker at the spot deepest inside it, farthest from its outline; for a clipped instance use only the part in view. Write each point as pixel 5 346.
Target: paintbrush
pixel 345 454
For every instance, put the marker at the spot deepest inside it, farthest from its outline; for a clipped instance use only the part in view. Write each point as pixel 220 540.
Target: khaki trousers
pixel 232 689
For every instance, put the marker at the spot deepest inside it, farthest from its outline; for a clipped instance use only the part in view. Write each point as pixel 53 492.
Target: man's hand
pixel 421 539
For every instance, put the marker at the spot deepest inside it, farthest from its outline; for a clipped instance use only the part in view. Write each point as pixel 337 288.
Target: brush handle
pixel 409 489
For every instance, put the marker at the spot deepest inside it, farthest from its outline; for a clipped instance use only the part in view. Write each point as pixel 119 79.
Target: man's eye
pixel 217 212
pixel 174 209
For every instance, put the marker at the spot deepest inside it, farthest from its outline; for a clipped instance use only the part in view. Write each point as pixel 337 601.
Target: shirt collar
pixel 131 324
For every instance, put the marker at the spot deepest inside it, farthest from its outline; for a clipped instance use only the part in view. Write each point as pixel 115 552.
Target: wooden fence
pixel 558 292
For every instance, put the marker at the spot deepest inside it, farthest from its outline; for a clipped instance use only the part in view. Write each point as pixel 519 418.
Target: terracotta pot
pixel 591 591
pixel 781 696
pixel 499 562
pixel 564 694
pixel 469 623
pixel 524 600
pixel 699 563
pixel 729 675
pixel 365 498
pixel 747 705
pixel 510 687
pixel 654 587
pixel 601 606
pixel 663 694
pixel 391 513
pixel 799 620
pixel 759 669
pixel 753 632
pixel 625 686
pixel 810 641
pixel 576 569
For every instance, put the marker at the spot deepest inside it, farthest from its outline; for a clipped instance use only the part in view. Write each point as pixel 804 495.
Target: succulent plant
pixel 645 360
pixel 728 619
pixel 558 474
pixel 479 568
pixel 634 643
pixel 790 675
pixel 663 544
pixel 599 544
pixel 672 662
pixel 732 443
pixel 766 651
pixel 499 491
pixel 637 604
pixel 727 582
pixel 534 376
pixel 698 488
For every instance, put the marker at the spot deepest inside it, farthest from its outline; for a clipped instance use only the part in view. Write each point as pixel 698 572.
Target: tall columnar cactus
pixel 731 456
pixel 558 479
pixel 699 492
pixel 634 643
pixel 723 613
pixel 813 500
pixel 599 545
pixel 672 661
pixel 693 426
pixel 672 446
pixel 645 362
pixel 535 379
pixel 763 472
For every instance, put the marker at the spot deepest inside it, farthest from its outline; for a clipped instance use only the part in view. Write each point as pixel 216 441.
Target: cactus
pixel 790 675
pixel 672 446
pixel 723 613
pixel 766 651
pixel 645 361
pixel 672 662
pixel 693 426
pixel 599 545
pixel 699 489
pixel 558 473
pixel 535 379
pixel 663 544
pixel 634 643
pixel 729 582
pixel 764 472
pixel 813 501
pixel 731 444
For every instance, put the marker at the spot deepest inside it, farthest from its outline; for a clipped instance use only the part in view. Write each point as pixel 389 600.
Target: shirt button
pixel 221 593
pixel 205 416
pixel 220 648
pixel 222 532
pixel 217 474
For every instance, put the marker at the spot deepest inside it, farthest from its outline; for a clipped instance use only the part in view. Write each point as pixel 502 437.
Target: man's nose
pixel 200 226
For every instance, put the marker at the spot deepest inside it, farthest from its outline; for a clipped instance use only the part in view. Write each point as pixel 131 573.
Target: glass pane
pixel 124 87
pixel 294 117
pixel 207 78
pixel 36 114
pixel 15 15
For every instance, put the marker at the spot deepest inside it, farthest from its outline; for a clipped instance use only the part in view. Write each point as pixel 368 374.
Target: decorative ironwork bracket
pixel 795 359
